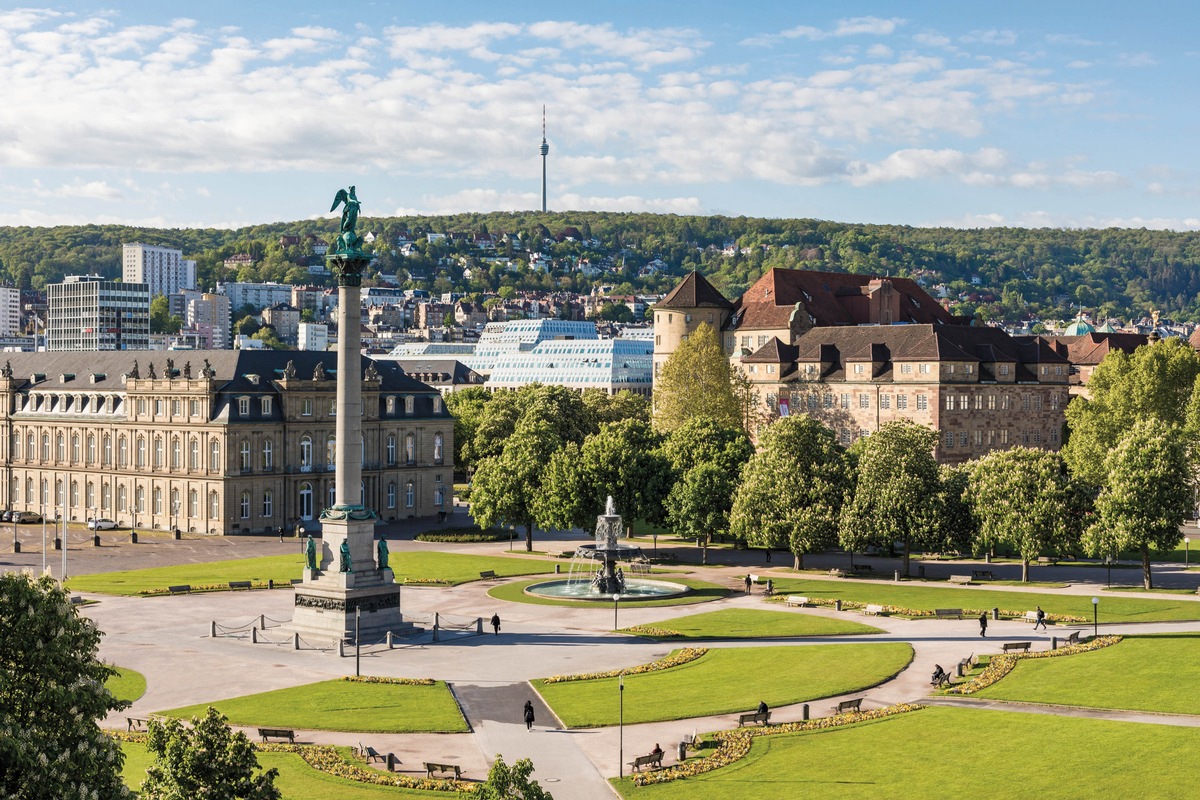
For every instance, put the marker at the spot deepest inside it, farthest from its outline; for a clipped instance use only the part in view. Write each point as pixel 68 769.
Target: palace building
pixel 217 442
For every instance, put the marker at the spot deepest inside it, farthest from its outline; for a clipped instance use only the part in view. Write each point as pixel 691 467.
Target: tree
pixel 52 693
pixel 700 441
pixel 958 526
pixel 505 487
pixel 510 783
pixel 1019 497
pixel 270 338
pixel 1155 382
pixel 706 460
pixel 1147 494
pixel 207 759
pixel 603 407
pixel 467 407
pixel 897 496
pixel 697 381
pixel 792 490
pixel 161 320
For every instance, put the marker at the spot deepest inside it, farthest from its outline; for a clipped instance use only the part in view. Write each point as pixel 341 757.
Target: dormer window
pixel 266 406
pixel 408 405
pixel 391 404
pixel 244 406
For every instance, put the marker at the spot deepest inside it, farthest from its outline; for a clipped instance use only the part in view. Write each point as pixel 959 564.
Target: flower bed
pixel 917 613
pixel 657 633
pixel 397 681
pixel 1001 665
pixel 426 582
pixel 674 660
pixel 202 587
pixel 733 745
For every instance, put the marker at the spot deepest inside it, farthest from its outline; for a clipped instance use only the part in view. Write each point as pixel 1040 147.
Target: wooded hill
pixel 994 273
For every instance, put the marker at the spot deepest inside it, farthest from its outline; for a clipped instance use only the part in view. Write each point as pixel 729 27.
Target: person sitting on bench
pixel 939 676
pixel 657 751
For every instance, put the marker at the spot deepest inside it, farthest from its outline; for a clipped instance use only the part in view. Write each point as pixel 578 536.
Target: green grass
pixel 747 623
pixel 296 781
pixel 702 592
pixel 1141 673
pixel 451 568
pixel 727 680
pixel 126 684
pixel 954 753
pixel 1112 609
pixel 338 705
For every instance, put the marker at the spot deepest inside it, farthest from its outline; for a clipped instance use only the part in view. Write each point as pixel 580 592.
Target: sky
pixel 225 114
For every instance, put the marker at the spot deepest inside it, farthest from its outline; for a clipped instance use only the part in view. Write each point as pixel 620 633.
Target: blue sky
pixel 1062 114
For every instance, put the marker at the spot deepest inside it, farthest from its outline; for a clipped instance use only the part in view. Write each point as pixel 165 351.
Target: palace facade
pixel 217 442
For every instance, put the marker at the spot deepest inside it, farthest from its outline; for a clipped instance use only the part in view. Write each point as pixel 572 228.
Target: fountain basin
pixel 635 589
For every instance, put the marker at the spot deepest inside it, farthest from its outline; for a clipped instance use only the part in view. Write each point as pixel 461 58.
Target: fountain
pixel 607 579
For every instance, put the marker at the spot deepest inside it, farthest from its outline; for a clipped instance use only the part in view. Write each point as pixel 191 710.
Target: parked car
pixel 101 524
pixel 6 516
pixel 26 516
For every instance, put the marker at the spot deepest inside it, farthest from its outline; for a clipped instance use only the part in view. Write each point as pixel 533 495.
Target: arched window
pixel 176 452
pixel 89 495
pixel 306 451
pixel 268 503
pixel 306 501
pixel 194 454
pixel 331 451
pixel 46 447
pixel 193 503
pixel 158 452
pixel 29 491
pixel 214 505
pixel 268 454
pixel 30 449
pixel 141 451
pixel 76 453
pixel 214 456
pixel 122 451
pixel 410 449
pixel 91 448
pixel 391 495
pixel 175 501
pixel 332 496
pixel 139 500
pixel 437 448
pixel 362 493
pixel 245 505
pixel 391 449
pixel 105 497
pixel 60 448
pixel 410 495
pixel 16 446
pixel 45 492
pixel 122 500
pixel 158 500
pixel 106 449
pixel 244 456
pixel 60 496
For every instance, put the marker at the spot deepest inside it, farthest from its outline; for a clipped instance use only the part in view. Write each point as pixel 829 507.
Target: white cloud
pixel 94 190
pixel 1048 219
pixel 852 26
pixel 1136 60
pixel 994 37
pixel 491 199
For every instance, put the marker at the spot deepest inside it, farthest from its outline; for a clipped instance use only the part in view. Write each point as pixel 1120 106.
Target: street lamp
pixel 63 578
pixel 1095 617
pixel 357 616
pixel 1187 541
pixel 43 538
pixel 616 602
pixel 621 725
pixel 1108 562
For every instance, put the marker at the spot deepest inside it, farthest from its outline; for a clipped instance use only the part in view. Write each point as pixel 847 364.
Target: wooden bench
pixel 431 768
pixel 795 600
pixel 370 754
pixel 1010 646
pixel 136 723
pixel 863 568
pixel 983 574
pixel 239 584
pixel 181 589
pixel 690 740
pixel 1051 560
pixel 758 716
pixel 967 664
pixel 1072 639
pixel 653 760
pixel 1031 616
pixel 960 579
pixel 873 609
pixel 848 705
pixel 487 574
pixel 277 733
pixel 947 613
pixel 639 567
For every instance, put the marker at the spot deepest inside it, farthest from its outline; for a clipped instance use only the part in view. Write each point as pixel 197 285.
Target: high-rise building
pixel 87 312
pixel 313 336
pixel 163 269
pixel 208 316
pixel 255 295
pixel 10 311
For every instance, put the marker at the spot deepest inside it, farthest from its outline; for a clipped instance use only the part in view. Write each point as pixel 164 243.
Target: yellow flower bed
pixel 682 657
pixel 397 681
pixel 657 633
pixel 1001 665
pixel 327 759
pixel 426 582
pixel 854 605
pixel 736 743
pixel 199 587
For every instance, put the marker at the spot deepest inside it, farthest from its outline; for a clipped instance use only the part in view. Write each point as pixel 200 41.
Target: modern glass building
pixel 87 312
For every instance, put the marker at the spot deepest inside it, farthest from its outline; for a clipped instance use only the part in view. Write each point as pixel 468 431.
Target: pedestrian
pixel 768 555
pixel 528 715
pixel 1041 619
pixel 281 534
pixel 749 583
pixel 762 706
pixel 496 624
pixel 983 624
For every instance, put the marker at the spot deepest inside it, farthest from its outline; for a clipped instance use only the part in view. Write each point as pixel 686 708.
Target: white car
pixel 101 524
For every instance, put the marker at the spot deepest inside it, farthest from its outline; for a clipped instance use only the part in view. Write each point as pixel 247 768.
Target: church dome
pixel 1078 328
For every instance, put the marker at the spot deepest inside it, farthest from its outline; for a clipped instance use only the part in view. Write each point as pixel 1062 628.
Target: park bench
pixel 947 613
pixel 239 584
pixel 76 600
pixel 369 754
pixel 639 567
pixel 1031 616
pixel 652 760
pixel 863 568
pixel 1072 639
pixel 758 716
pixel 873 609
pixel 966 665
pixel 837 573
pixel 848 705
pixel 181 589
pixel 431 768
pixel 277 733
pixel 1010 646
pixel 136 723
pixel 983 575
pixel 795 600
pixel 1051 560
pixel 690 740
pixel 960 579
pixel 487 574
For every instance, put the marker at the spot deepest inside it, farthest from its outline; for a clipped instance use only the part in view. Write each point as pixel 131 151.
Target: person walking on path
pixel 528 715
pixel 983 624
pixel 1041 619
pixel 496 624
pixel 749 583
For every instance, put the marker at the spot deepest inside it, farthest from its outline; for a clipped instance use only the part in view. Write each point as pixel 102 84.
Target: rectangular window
pixel 333 407
pixel 968 368
pixel 864 401
pixel 902 402
pixel 906 369
pixel 828 401
pixel 924 369
pixel 812 402
pixel 1037 402
pixel 991 402
pixel 408 405
pixel 962 402
pixel 885 401
pixel 1037 437
pixel 858 369
pixel 1058 370
pixel 949 402
pixel 1053 436
pixel 1024 402
pixel 244 406
pixel 1004 402
pixel 1004 369
pixel 843 436
pixel 1054 401
pixel 962 439
pixel 194 408
pixel 949 439
pixel 158 408
pixel 1004 436
pixel 922 402
pixel 306 406
pixel 978 402
pixel 266 406
pixel 176 407
pixel 978 438
pixel 845 399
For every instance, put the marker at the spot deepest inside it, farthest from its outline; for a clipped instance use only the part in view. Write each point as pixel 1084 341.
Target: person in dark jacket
pixel 496 624
pixel 983 624
pixel 528 715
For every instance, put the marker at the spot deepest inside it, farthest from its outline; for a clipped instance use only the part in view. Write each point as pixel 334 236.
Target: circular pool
pixel 635 589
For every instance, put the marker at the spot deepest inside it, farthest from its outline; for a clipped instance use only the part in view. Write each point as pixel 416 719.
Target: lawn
pixel 747 623
pixel 451 568
pixel 126 684
pixel 296 781
pixel 953 753
pixel 925 598
pixel 343 706
pixel 702 592
pixel 726 680
pixel 1151 669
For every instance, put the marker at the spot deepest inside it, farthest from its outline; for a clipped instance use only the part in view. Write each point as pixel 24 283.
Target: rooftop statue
pixel 347 240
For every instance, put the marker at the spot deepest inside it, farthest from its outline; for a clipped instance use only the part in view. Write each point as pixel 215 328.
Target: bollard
pixel 804 712
pixel 57 543
pixel 921 571
pixel 1053 642
pixel 436 625
pixel 212 629
pixel 295 641
pixel 556 569
pixel 479 625
pixel 262 622
pixel 391 762
pixel 837 605
pixel 341 648
pixel 16 546
pixel 271 583
pixel 995 613
pixel 958 670
pixel 133 537
pixel 897 576
pixel 178 535
pixel 96 540
pixel 254 636
pixel 389 640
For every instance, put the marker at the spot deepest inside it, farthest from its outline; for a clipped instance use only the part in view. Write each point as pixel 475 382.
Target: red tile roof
pixel 694 292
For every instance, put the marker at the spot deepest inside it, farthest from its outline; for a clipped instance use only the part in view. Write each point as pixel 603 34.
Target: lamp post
pixel 43 538
pixel 621 725
pixel 63 577
pixel 357 617
pixel 1108 561
pixel 1187 541
pixel 616 603
pixel 1095 617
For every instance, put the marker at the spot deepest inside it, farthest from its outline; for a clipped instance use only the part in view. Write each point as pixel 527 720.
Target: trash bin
pixel 133 537
pixel 683 751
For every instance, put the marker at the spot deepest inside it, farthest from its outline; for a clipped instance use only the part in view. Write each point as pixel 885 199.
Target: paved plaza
pixel 167 639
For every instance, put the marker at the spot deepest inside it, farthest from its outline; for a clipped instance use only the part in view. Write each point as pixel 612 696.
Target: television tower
pixel 544 150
